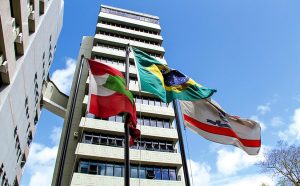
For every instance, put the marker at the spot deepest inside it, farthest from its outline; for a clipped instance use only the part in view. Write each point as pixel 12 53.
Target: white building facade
pixel 28 35
pixel 91 150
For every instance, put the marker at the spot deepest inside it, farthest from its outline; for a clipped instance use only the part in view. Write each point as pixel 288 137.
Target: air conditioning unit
pixel 19 38
pixel 13 23
pixel 76 135
pixel 31 15
pixel 4 67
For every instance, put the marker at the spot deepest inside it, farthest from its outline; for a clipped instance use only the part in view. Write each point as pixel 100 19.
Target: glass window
pixel 170 147
pixel 157 103
pixel 166 124
pixel 142 145
pixel 151 102
pixel 140 121
pixel 101 169
pixel 147 121
pixel 93 168
pixel 111 141
pixel 148 146
pixel 157 173
pixel 162 146
pixel 103 140
pixel 95 140
pixel 153 122
pixel 119 118
pixel 145 101
pixel 112 118
pixel 133 172
pixel 118 170
pixel 156 146
pixel 119 142
pixel 84 167
pixel 109 170
pixel 165 174
pixel 142 172
pixel 172 174
pixel 159 123
pixel 87 139
pixel 150 173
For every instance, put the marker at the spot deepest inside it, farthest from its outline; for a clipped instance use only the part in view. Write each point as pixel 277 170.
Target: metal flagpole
pixel 126 127
pixel 181 144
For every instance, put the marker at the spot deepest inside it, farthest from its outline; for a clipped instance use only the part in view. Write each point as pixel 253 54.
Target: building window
pixel 129 38
pixel 118 141
pixel 129 27
pixel 116 169
pixel 129 15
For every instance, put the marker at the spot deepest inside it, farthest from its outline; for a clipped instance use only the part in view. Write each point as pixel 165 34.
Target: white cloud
pixel 41 161
pixel 55 135
pixel 63 77
pixel 246 180
pixel 263 109
pixel 229 162
pixel 262 125
pixel 292 134
pixel 276 121
pixel 200 172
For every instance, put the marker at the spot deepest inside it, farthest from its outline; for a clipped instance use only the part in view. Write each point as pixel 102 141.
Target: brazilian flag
pixel 168 84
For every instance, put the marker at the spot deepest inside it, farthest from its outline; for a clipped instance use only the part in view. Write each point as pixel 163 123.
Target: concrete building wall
pixel 28 40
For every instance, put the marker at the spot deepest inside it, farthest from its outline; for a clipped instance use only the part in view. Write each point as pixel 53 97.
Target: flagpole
pixel 126 127
pixel 181 144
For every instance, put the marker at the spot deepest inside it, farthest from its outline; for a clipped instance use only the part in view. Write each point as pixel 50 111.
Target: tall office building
pixel 28 35
pixel 91 151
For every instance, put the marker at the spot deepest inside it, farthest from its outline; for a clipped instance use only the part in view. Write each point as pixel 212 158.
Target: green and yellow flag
pixel 166 83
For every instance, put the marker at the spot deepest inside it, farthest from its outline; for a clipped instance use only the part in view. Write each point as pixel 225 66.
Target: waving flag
pixel 208 120
pixel 108 95
pixel 166 83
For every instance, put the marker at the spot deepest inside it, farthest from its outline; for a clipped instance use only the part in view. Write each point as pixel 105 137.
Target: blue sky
pixel 248 50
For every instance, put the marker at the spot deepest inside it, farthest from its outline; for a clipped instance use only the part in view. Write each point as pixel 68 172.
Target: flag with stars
pixel 168 84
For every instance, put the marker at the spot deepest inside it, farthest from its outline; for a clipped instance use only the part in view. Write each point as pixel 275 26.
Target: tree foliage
pixel 284 163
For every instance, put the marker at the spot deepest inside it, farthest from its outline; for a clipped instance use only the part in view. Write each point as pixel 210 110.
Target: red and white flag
pixel 108 95
pixel 206 118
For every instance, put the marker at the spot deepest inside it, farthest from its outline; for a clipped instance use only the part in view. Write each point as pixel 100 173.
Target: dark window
pixel 95 140
pixel 93 168
pixel 83 167
pixel 150 173
pixel 87 139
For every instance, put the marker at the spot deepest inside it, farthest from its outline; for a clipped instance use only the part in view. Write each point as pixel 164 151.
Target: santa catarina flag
pixel 108 95
pixel 206 118
pixel 168 84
